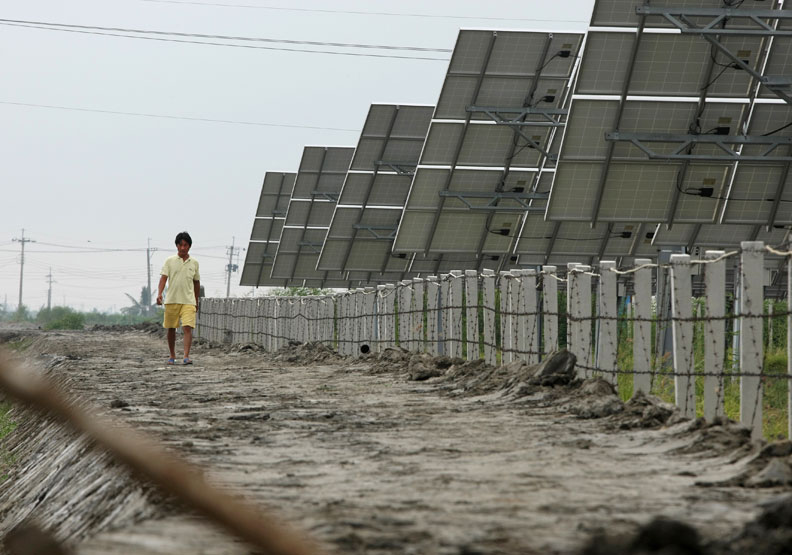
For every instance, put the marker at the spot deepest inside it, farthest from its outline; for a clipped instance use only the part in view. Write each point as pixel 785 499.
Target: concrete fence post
pixel 382 334
pixel 244 321
pixel 550 309
pixel 239 321
pixel 358 322
pixel 529 318
pixel 298 319
pixel 288 317
pixel 417 319
pixel 443 321
pixel 368 340
pixel 341 300
pixel 405 299
pixel 751 332
pixel 455 312
pixel 569 299
pixel 789 343
pixel 506 317
pixel 280 322
pixel 283 322
pixel 309 322
pixel 272 324
pixel 258 321
pixel 682 334
pixel 348 306
pixel 642 336
pixel 488 309
pixel 390 314
pixel 330 329
pixel 471 314
pixel 607 342
pixel 579 316
pixel 433 315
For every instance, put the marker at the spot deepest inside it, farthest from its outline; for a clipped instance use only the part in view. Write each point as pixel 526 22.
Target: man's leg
pixel 170 322
pixel 172 342
pixel 187 340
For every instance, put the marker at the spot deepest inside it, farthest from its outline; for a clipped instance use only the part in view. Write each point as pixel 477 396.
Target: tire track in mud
pixel 367 461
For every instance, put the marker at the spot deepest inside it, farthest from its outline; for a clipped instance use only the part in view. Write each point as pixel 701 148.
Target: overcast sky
pixel 105 142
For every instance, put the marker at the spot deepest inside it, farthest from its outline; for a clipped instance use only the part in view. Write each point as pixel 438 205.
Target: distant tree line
pixel 64 317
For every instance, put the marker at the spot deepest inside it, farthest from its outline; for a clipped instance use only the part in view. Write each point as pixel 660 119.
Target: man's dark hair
pixel 183 236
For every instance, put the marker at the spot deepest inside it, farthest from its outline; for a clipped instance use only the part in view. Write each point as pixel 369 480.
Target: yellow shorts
pixel 176 312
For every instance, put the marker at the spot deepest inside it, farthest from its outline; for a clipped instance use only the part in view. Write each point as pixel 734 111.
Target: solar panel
pixel 317 185
pixel 488 143
pixel 669 122
pixel 622 13
pixel 360 236
pixel 577 239
pixel 267 226
pixel 720 236
pixel 258 265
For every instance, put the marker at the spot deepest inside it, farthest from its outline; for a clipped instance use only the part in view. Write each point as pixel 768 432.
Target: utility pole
pixel 49 291
pixel 149 252
pixel 231 267
pixel 22 242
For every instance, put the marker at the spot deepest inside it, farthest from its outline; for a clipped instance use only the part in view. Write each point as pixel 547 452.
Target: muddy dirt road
pixel 365 459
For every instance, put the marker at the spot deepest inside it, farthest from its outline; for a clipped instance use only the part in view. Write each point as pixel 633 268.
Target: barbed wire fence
pixel 609 319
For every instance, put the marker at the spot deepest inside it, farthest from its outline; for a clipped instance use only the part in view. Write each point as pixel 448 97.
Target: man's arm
pixel 197 289
pixel 163 280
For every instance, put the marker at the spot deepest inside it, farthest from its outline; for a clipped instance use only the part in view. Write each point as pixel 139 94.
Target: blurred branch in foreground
pixel 144 456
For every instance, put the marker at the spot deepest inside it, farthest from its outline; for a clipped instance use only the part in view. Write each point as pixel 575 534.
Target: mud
pixel 392 453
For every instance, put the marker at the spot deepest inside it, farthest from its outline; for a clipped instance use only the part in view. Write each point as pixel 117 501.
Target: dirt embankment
pixel 395 453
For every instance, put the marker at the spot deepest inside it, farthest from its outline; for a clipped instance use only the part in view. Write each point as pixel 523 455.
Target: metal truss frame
pixel 401 168
pixel 679 17
pixel 332 197
pixel 723 142
pixel 374 229
pixel 551 117
pixel 495 197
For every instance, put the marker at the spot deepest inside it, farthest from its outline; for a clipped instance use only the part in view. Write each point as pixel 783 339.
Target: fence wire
pixel 650 335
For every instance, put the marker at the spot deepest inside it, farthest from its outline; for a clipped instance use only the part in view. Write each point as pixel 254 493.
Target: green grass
pixel 774 400
pixel 6 427
pixel 19 345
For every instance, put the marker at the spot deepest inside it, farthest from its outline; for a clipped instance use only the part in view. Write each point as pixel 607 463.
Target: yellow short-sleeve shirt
pixel 181 274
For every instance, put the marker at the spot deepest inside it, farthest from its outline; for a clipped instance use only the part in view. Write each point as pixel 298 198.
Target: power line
pixel 352 12
pixel 185 41
pixel 166 116
pixel 229 37
pixel 88 249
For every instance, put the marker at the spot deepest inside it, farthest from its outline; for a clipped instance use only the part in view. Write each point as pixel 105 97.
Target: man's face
pixel 183 247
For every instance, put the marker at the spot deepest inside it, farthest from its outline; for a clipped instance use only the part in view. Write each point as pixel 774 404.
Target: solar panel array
pixel 658 122
pixel 316 188
pixel 360 238
pixel 489 142
pixel 665 125
pixel 267 226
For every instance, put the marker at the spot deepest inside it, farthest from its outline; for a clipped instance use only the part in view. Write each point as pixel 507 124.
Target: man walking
pixel 183 294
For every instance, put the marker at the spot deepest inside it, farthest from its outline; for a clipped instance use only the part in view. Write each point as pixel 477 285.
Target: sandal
pixel 187 360
pixel 171 361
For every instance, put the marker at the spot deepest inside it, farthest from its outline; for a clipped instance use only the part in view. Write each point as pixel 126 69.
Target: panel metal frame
pixel 276 215
pixel 517 119
pixel 306 247
pixel 730 146
pixel 381 166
